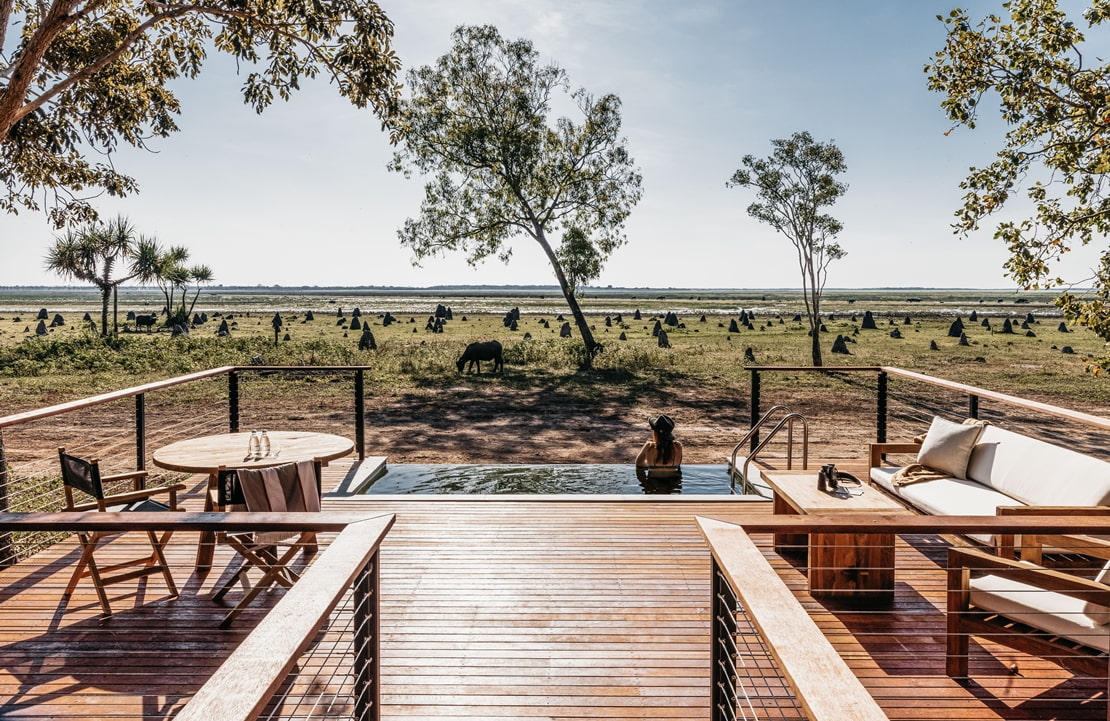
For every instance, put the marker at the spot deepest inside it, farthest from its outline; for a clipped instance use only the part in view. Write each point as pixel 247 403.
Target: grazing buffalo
pixel 145 321
pixel 477 352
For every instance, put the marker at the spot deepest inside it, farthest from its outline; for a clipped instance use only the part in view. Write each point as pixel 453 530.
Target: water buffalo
pixel 478 352
pixel 145 321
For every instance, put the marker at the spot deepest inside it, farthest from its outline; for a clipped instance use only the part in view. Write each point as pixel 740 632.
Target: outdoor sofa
pixel 978 468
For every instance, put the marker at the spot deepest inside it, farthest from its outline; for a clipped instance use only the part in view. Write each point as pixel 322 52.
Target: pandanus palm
pixel 198 275
pixel 93 254
pixel 164 267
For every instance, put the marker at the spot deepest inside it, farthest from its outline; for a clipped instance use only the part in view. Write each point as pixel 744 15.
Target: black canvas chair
pixel 288 488
pixel 80 476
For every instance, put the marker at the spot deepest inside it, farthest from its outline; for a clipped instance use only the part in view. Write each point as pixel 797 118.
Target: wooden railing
pixel 934 396
pixel 347 571
pixel 29 478
pixel 745 584
pixel 750 598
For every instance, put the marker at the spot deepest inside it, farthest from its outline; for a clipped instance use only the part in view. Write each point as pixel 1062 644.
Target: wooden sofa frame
pixel 964 620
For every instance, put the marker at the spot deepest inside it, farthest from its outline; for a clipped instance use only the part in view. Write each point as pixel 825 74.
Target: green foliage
pixel 92 253
pixel 792 187
pixel 1054 95
pixel 477 122
pixel 581 260
pixel 84 77
pixel 166 268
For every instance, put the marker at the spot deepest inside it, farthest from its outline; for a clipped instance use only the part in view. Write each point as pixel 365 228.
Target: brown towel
pixel 288 488
pixel 306 474
pixel 916 473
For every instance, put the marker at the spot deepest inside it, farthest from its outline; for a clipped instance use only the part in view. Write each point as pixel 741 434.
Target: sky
pixel 300 195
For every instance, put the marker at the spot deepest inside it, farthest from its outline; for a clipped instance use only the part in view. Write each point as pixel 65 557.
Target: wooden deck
pixel 512 609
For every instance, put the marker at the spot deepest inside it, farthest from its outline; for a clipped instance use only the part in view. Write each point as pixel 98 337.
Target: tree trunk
pixel 105 299
pixel 812 299
pixel 23 70
pixel 815 346
pixel 588 341
pixel 115 311
pixel 813 303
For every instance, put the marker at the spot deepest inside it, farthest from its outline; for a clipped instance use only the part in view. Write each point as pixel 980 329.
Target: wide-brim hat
pixel 663 425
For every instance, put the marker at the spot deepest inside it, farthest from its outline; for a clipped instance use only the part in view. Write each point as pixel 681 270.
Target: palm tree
pixel 198 275
pixel 91 253
pixel 164 267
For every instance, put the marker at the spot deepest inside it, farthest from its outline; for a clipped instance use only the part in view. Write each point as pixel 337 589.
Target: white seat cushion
pixel 947 497
pixel 1054 613
pixel 882 476
pixel 954 497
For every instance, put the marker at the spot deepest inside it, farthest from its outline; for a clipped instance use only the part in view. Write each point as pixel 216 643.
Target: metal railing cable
pixel 741 690
pixel 799 674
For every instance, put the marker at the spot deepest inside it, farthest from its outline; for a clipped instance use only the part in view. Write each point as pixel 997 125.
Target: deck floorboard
pixel 502 608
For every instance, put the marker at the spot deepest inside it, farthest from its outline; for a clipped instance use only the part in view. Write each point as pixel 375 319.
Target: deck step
pixel 358 476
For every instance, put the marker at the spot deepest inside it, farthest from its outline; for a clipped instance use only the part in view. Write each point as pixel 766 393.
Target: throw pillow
pixel 947 447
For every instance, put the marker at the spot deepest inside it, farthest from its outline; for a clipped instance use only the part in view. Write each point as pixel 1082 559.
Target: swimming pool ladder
pixel 747 486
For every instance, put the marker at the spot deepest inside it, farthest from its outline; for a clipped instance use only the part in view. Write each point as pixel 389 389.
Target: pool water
pixel 544 478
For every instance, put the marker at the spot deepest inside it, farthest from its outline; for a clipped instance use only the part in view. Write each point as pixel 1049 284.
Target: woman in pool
pixel 662 455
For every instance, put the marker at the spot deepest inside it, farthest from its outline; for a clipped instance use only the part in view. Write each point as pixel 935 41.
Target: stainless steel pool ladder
pixel 786 421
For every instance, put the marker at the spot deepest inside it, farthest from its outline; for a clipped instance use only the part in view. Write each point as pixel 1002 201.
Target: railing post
pixel 367 643
pixel 6 557
pixel 360 414
pixel 880 421
pixel 973 406
pixel 233 401
pixel 140 431
pixel 755 408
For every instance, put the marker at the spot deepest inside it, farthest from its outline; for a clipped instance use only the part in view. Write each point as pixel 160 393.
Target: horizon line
pixel 543 288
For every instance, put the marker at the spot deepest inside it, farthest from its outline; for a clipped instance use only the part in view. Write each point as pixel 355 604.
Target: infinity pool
pixel 544 478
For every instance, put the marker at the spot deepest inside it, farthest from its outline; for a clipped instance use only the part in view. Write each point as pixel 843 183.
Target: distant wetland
pixel 1006 341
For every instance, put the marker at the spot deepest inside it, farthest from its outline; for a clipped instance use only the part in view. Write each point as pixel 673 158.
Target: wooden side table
pixel 859 566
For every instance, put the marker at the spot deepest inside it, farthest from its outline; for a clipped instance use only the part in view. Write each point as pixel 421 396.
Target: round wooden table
pixel 229 450
pixel 208 454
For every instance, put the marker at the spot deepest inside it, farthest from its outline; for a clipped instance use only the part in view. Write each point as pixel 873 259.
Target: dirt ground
pixel 479 420
pixel 552 425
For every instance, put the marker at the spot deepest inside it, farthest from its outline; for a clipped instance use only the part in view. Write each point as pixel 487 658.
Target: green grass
pixel 39 370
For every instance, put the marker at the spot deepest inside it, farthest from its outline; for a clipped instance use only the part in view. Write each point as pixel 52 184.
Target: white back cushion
pixel 1038 473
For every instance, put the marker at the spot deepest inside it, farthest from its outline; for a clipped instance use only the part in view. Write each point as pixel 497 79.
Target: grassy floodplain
pixel 70 361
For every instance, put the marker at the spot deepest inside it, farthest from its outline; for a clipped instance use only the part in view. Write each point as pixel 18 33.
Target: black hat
pixel 663 425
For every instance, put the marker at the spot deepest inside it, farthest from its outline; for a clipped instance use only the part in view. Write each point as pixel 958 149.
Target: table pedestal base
pixel 856 566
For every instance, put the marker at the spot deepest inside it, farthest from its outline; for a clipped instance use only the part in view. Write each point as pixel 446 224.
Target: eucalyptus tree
pixel 95 253
pixel 478 123
pixel 78 78
pixel 1052 90
pixel 792 187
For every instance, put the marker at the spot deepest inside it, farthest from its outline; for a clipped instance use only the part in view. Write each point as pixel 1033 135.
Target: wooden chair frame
pixel 1031 547
pixel 273 561
pixel 102 576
